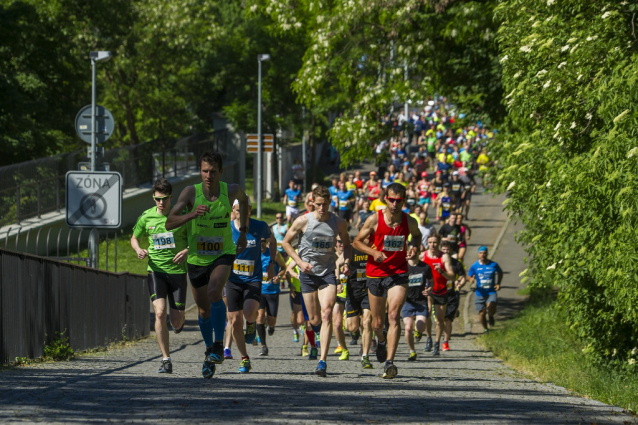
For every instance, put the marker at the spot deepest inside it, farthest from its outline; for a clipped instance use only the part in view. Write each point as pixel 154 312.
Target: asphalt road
pixel 464 385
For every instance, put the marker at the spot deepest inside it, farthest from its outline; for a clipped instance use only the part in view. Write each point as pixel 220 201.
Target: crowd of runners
pixel 359 256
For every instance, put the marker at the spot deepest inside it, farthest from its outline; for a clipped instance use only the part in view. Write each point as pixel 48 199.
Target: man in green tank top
pixel 166 254
pixel 211 250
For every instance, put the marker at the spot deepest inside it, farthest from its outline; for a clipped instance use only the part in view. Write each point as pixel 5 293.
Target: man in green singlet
pixel 211 250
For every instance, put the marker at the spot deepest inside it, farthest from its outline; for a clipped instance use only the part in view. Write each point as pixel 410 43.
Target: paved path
pixel 465 385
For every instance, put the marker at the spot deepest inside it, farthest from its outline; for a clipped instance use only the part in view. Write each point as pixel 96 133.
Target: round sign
pixel 103 118
pixel 93 206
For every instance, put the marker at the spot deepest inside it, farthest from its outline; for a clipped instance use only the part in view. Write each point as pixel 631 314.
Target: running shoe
pixel 166 367
pixel 417 336
pixel 251 333
pixel 389 370
pixel 338 350
pixel 490 320
pixel 382 352
pixel 180 329
pixel 264 351
pixel 271 330
pixel 208 369
pixel 313 353
pixel 295 337
pixel 412 357
pixel 436 351
pixel 428 345
pixel 244 366
pixel 304 351
pixel 355 338
pixel 446 346
pixel 257 341
pixel 365 363
pixel 345 355
pixel 321 369
pixel 228 354
pixel 216 354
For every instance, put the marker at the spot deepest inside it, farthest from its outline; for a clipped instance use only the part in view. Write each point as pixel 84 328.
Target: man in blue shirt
pixel 292 199
pixel 487 275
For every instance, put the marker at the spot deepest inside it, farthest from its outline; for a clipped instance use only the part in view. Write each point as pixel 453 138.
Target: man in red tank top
pixel 442 271
pixel 387 270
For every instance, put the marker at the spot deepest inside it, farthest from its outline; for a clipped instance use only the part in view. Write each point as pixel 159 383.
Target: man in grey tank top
pixel 316 260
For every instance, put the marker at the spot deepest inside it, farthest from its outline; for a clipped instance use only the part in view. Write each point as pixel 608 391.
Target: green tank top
pixel 210 236
pixel 294 281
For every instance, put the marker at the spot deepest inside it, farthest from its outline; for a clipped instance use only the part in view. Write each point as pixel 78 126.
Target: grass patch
pixel 127 260
pixel 538 342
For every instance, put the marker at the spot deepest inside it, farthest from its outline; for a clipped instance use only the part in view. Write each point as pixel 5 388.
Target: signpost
pixel 93 200
pixel 252 143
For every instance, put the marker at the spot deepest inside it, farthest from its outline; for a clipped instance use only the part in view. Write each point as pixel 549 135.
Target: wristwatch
pixel 243 229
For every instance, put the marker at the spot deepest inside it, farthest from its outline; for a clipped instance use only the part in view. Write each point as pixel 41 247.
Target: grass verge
pixel 557 355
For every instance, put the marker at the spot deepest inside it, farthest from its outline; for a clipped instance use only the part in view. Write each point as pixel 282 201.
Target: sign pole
pixel 257 186
pixel 93 235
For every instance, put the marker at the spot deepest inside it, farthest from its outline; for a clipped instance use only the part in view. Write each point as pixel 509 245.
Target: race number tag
pixel 163 240
pixel 343 204
pixel 393 243
pixel 343 279
pixel 280 244
pixel 244 267
pixel 487 283
pixel 415 279
pixel 456 187
pixel 210 245
pixel 335 199
pixel 322 243
pixel 361 275
pixel 292 202
pixel 264 278
pixel 450 285
pixel 445 205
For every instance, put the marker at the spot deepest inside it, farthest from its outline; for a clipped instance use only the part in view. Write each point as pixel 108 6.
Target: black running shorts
pixel 379 286
pixel 270 303
pixel 200 275
pixel 238 293
pixel 161 285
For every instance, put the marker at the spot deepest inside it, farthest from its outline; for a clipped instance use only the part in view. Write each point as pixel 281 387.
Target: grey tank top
pixel 317 245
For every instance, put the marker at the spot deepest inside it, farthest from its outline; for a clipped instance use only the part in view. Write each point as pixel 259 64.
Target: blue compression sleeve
pixel 218 319
pixel 206 328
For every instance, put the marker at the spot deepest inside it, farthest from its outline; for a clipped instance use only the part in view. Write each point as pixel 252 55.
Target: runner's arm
pixel 415 232
pixel 347 247
pixel 448 273
pixel 135 244
pixel 369 227
pixel 297 227
pixel 236 192
pixel 185 201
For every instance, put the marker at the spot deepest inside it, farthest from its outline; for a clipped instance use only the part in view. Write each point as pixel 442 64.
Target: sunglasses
pixel 161 198
pixel 393 200
pixel 279 218
pixel 340 242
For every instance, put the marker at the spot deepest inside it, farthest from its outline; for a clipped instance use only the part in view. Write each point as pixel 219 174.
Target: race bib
pixel 415 279
pixel 361 275
pixel 452 237
pixel 163 240
pixel 456 187
pixel 244 267
pixel 210 245
pixel 343 204
pixel 393 243
pixel 264 278
pixel 450 285
pixel 335 199
pixel 438 189
pixel 280 244
pixel 323 243
pixel 468 187
pixel 343 279
pixel 411 201
pixel 487 283
pixel 445 205
pixel 292 202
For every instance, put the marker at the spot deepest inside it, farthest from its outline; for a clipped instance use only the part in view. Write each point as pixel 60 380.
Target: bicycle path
pixel 465 385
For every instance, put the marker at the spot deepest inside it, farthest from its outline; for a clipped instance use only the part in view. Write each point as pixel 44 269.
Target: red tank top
pixel 392 242
pixel 440 281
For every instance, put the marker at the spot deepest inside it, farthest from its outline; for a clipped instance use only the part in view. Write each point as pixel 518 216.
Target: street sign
pixel 104 127
pixel 252 143
pixel 94 199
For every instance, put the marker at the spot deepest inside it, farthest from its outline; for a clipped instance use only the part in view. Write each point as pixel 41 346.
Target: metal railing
pixel 36 187
pixel 41 297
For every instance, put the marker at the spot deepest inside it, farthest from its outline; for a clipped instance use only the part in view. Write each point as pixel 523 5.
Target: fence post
pixel 39 205
pixel 115 255
pixel 18 204
pixel 57 194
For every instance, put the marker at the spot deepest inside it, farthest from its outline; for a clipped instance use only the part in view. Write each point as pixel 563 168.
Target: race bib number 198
pixel 163 240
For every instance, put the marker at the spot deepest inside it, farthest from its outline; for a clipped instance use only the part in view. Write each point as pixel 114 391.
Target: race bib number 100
pixel 393 243
pixel 163 240
pixel 322 244
pixel 210 245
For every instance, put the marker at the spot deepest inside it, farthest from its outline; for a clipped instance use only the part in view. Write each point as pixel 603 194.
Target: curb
pixel 466 305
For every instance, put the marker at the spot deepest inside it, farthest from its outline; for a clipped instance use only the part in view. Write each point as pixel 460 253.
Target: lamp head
pixel 101 56
pixel 263 57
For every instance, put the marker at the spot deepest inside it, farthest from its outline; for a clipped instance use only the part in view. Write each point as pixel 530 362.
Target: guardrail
pixel 40 297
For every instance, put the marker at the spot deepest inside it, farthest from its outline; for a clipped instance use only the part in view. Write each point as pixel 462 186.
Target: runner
pixel 452 233
pixel 453 295
pixel 211 249
pixel 466 234
pixel 317 261
pixel 296 314
pixel 243 291
pixel 270 289
pixel 340 305
pixel 387 270
pixel 292 199
pixel 488 276
pixel 358 305
pixel 439 264
pixel 346 201
pixel 469 185
pixel 167 252
pixel 457 190
pixel 444 204
pixel 279 230
pixel 415 308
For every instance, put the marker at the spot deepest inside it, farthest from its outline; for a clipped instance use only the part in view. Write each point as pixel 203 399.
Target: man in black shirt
pixel 358 306
pixel 457 190
pixel 415 308
pixel 453 295
pixel 452 233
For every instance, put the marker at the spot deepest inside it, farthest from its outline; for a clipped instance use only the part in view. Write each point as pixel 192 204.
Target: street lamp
pixel 260 58
pixel 96 57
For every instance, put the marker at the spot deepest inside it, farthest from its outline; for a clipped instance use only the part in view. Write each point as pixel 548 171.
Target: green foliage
pixel 59 348
pixel 570 159
pixel 560 357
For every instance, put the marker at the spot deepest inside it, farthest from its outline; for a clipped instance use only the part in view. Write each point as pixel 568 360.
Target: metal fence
pixel 33 188
pixel 41 297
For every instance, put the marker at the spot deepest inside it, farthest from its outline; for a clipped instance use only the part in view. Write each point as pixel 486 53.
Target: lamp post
pixel 96 57
pixel 260 58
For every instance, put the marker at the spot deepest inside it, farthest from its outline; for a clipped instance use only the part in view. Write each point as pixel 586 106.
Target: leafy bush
pixel 59 348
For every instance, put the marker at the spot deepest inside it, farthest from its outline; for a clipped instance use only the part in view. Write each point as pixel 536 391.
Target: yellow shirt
pixel 377 205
